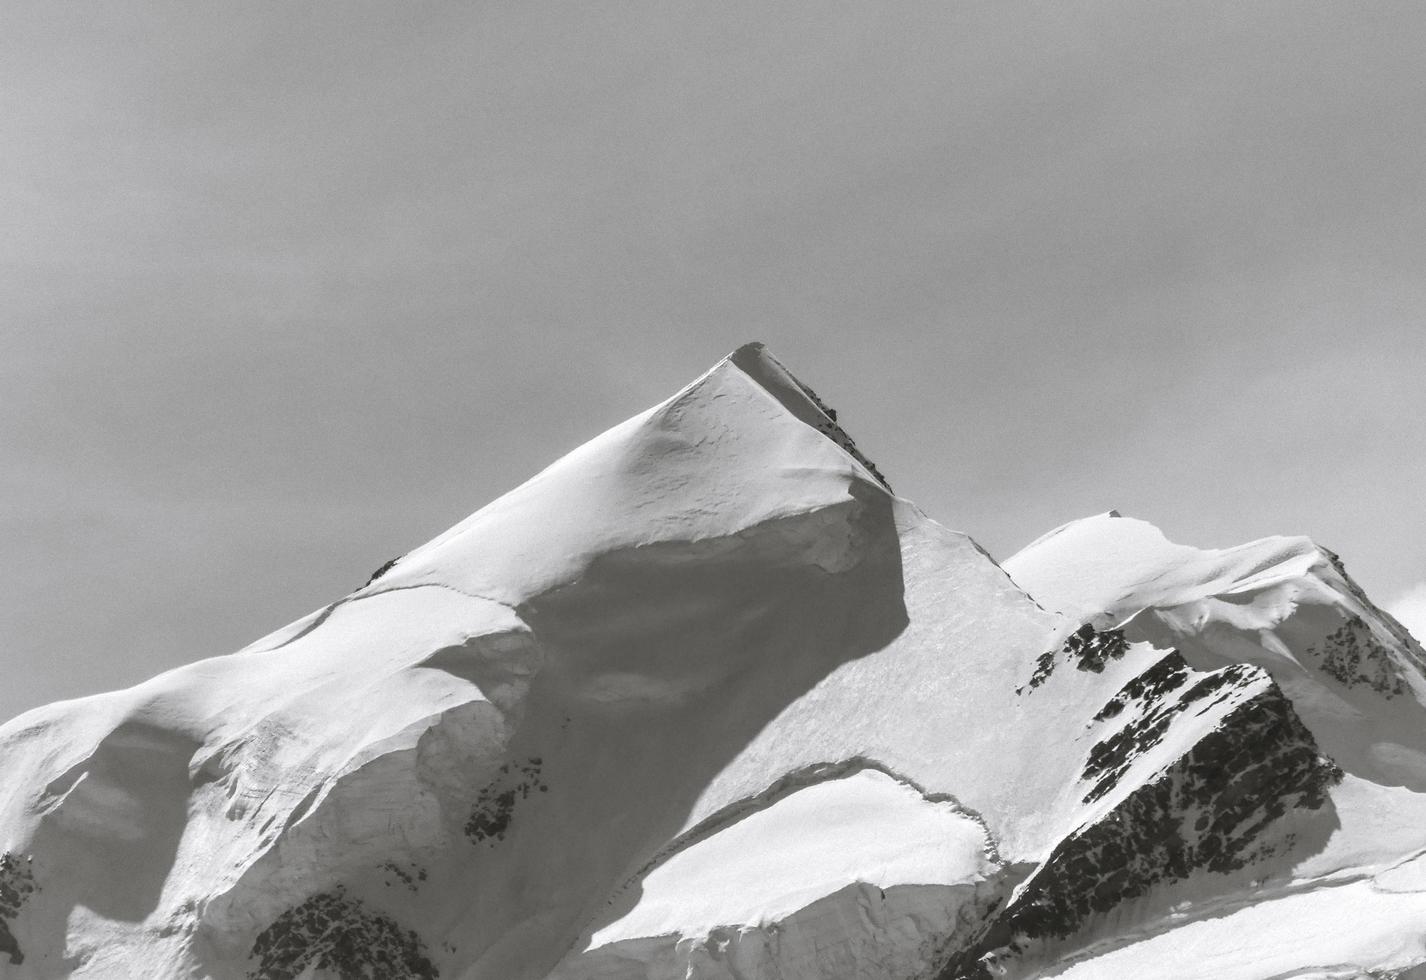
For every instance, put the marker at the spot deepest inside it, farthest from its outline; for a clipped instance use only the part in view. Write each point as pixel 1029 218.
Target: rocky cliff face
pixel 705 700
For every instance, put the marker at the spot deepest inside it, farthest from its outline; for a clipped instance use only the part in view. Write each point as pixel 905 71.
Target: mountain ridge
pixel 571 736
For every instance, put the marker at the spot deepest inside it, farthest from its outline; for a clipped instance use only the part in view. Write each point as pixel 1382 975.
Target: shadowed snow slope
pixel 704 699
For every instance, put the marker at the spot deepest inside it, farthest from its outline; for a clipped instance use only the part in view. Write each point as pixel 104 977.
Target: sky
pixel 287 289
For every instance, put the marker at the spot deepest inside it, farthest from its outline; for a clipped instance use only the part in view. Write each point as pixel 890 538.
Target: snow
pixel 863 828
pixel 857 875
pixel 1410 609
pixel 721 457
pixel 586 659
pixel 1280 603
pixel 703 699
pixel 1325 933
pixel 1113 566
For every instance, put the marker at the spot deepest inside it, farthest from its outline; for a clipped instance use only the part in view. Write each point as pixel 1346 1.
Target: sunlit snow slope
pixel 705 700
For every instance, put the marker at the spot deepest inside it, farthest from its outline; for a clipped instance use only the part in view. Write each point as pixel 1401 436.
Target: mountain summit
pixel 704 699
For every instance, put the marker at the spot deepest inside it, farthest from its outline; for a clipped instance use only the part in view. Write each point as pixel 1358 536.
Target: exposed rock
pixel 332 932
pixel 410 876
pixel 17 884
pixel 1353 656
pixel 1152 691
pixel 385 567
pixel 1167 673
pixel 1217 809
pixel 1087 648
pixel 495 806
pixel 1091 649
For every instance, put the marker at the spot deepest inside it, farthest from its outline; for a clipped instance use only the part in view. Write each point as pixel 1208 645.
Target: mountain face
pixel 704 699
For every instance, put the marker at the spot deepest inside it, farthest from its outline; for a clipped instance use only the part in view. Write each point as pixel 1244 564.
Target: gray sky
pixel 289 288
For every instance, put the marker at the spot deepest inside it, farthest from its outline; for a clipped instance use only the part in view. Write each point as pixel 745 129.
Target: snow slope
pixel 1286 610
pixel 704 699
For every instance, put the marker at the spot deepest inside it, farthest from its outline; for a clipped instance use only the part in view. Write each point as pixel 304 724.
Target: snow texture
pixel 705 700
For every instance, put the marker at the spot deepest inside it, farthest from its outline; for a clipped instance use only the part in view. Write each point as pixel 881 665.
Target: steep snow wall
pixel 703 699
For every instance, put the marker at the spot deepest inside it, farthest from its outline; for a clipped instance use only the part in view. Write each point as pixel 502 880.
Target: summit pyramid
pixel 705 699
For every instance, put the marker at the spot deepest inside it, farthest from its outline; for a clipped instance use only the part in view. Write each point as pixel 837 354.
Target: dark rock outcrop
pixel 332 932
pixel 17 884
pixel 1352 656
pixel 1219 808
pixel 495 806
pixel 1087 648
pixel 1161 693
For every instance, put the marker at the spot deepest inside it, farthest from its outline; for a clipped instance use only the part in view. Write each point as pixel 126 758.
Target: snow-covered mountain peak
pixel 611 634
pixel 1284 604
pixel 759 364
pixel 704 700
pixel 1109 565
pixel 744 444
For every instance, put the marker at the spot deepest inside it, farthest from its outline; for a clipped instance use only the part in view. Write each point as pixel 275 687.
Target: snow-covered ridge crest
pixel 742 445
pixel 1284 603
pixel 703 699
pixel 421 714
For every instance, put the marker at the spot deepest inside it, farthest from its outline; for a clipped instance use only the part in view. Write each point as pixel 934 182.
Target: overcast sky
pixel 289 288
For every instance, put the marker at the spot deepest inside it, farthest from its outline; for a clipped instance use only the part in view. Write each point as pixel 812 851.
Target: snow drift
pixel 704 699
